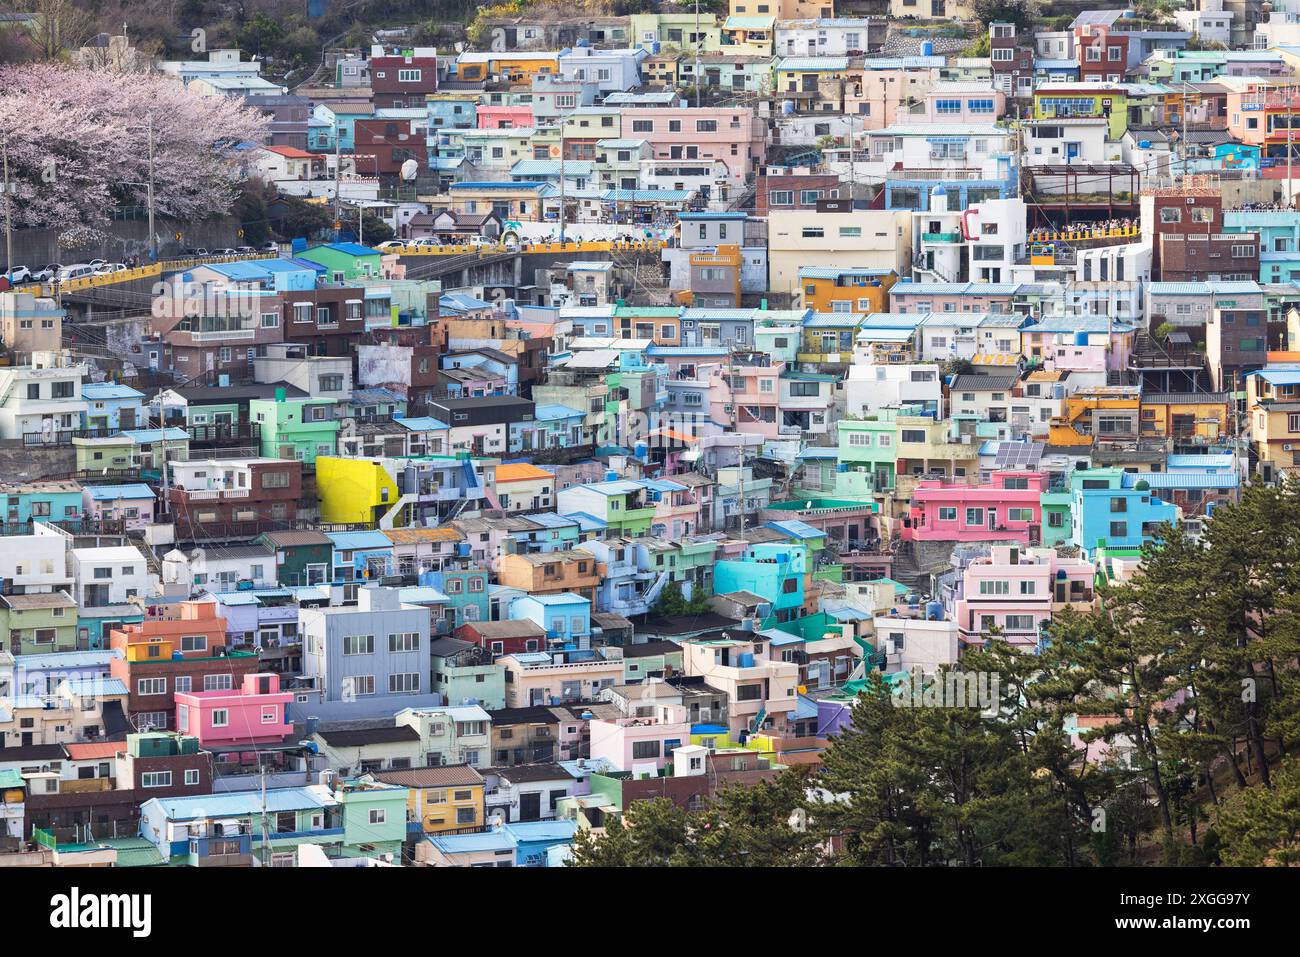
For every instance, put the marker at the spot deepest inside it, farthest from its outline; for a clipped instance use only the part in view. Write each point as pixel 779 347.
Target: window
pixel 218 682
pixel 947 513
pixel 408 76
pixel 645 749
pixel 995 588
pixel 220 718
pixel 1020 623
pixel 191 777
pixel 780 197
pixel 974 516
pixel 404 683
pixel 813 232
pixel 156 779
pixel 194 643
pixel 358 644
pixel 407 641
pixel 706 126
pixel 275 480
pixel 1020 514
pixel 151 686
pixel 378 815
pixel 1119 529
pixel 360 684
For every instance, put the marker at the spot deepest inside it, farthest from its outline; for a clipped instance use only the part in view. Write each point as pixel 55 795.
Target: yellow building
pixel 783 9
pixel 1108 412
pixel 1273 417
pixel 522 201
pixel 353 490
pixel 1185 415
pixel 864 290
pixel 444 799
pixel 660 69
pixel 510 66
pixel 749 34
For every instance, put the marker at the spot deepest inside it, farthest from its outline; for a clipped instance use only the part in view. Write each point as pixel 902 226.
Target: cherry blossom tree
pixel 77 146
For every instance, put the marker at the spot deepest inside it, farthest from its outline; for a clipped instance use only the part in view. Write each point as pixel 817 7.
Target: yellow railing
pixel 141 272
pixel 591 246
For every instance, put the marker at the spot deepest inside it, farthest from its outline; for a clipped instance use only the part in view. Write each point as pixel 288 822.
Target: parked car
pixel 76 271
pixel 109 268
pixel 195 251
pixel 47 273
pixel 270 248
pixel 395 245
pixel 18 274
pixel 481 242
pixel 245 250
pixel 96 263
pixel 227 251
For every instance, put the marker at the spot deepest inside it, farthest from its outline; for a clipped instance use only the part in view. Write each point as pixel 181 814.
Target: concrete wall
pixel 34 247
pixel 20 464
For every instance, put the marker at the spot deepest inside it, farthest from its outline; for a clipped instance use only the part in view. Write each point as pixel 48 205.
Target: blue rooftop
pixel 111 493
pixel 109 390
pixel 351 541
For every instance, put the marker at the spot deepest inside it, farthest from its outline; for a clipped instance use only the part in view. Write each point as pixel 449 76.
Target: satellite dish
pixel 409 169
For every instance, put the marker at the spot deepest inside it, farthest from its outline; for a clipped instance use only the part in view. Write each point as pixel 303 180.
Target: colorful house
pixel 1106 513
pixel 298 429
pixel 256 713
pixel 1009 508
pixel 346 262
pixel 446 799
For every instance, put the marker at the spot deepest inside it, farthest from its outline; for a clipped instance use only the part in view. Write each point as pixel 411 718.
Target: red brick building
pixel 787 188
pixel 237 498
pixel 401 78
pixel 503 637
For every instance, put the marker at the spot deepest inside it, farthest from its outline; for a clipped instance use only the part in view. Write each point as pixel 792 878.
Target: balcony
pixel 941 237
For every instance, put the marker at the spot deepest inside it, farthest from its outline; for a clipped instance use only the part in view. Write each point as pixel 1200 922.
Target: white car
pixel 109 268
pixel 396 245
pixel 76 271
pixel 97 263
pixel 480 242
pixel 19 274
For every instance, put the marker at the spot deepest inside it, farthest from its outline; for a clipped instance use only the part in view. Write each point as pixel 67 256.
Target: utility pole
pixel 562 122
pixel 697 54
pixel 153 241
pixel 1186 102
pixel 266 837
pixel 361 212
pixel 1290 149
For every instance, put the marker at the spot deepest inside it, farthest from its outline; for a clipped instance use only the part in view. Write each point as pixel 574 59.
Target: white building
pixel 42 398
pixel 836 36
pixel 916 643
pixel 869 388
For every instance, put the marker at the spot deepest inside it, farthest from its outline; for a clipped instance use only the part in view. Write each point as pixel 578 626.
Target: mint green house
pixel 345 262
pixel 374 817
pixel 868 450
pixel 1056 517
pixel 298 429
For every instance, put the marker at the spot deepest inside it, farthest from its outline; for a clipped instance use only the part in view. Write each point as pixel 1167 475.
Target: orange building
pixel 552 573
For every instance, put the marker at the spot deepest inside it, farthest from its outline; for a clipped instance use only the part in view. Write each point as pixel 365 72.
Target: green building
pixel 868 451
pixel 296 428
pixel 345 262
pixel 301 557
pixel 39 623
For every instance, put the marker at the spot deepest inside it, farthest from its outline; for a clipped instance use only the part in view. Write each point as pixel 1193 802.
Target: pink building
pixel 133 504
pixel 964 102
pixel 641 745
pixel 1007 509
pixel 736 137
pixel 951 297
pixel 881 97
pixel 754 390
pixel 256 713
pixel 505 117
pixel 1017 591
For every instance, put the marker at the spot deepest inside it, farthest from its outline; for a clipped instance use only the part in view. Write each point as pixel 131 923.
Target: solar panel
pixel 1018 456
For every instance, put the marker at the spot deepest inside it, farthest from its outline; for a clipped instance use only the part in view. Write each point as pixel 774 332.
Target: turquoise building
pixel 1104 513
pixel 774 571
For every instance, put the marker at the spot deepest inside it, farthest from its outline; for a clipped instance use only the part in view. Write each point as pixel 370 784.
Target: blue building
pixel 466 590
pixel 360 556
pixel 112 406
pixel 51 501
pixel 1279 240
pixel 1106 512
pixel 566 617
